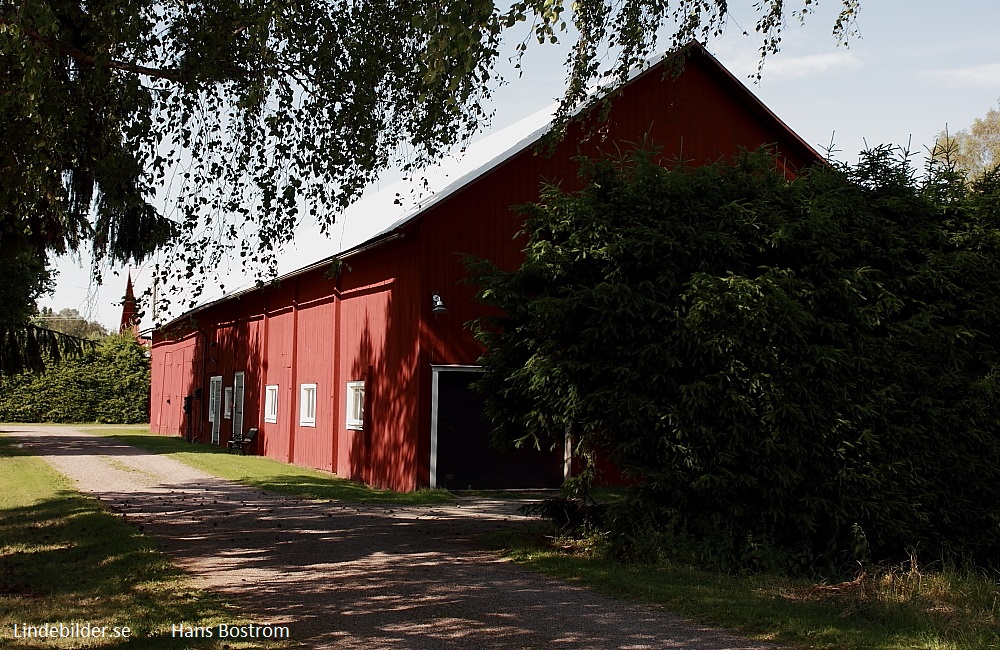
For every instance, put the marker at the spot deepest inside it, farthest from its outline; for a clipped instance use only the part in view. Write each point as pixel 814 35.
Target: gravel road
pixel 356 576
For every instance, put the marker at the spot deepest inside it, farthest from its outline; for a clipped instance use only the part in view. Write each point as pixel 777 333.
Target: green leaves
pixel 972 151
pixel 786 362
pixel 108 384
pixel 248 114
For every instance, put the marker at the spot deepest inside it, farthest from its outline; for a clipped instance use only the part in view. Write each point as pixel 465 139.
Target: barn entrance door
pixel 215 406
pixel 238 386
pixel 461 454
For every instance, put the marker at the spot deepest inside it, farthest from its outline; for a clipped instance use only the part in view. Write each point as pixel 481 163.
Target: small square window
pixel 356 405
pixel 271 403
pixel 307 405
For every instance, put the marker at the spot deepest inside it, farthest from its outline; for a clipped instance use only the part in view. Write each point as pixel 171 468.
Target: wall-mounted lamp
pixel 439 307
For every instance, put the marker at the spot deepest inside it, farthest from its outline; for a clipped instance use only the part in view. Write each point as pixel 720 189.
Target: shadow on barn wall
pixel 385 452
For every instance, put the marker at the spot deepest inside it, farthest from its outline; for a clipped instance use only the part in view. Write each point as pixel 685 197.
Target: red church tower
pixel 130 311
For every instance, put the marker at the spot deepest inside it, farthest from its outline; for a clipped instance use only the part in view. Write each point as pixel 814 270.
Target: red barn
pixel 364 372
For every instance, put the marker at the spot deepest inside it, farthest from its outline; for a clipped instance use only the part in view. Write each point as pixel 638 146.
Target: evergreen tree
pixel 791 371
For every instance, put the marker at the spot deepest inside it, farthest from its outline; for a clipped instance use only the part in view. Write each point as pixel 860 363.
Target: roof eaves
pixel 526 141
pixel 326 261
pixel 692 48
pixel 395 229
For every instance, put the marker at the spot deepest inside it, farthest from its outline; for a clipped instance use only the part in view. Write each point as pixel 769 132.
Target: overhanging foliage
pixel 796 373
pixel 31 348
pixel 23 345
pixel 256 115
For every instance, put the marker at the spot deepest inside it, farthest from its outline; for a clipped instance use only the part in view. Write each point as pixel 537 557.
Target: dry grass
pixel 957 604
pixel 884 608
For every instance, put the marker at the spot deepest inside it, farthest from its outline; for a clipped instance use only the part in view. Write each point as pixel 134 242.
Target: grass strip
pixel 893 608
pixel 265 473
pixel 65 560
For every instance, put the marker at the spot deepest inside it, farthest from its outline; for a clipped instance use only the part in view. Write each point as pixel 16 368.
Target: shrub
pixel 109 384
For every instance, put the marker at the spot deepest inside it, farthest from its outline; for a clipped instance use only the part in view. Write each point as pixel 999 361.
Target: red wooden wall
pixel 374 321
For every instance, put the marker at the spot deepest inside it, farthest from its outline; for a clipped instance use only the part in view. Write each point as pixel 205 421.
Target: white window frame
pixel 271 404
pixel 227 403
pixel 355 405
pixel 307 405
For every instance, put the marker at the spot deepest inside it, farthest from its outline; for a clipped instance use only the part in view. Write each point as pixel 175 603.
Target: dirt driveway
pixel 345 576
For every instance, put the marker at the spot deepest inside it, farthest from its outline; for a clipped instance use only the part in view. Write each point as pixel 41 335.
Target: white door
pixel 238 383
pixel 215 406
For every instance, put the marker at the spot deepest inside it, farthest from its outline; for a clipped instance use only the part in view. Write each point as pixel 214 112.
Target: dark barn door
pixel 465 457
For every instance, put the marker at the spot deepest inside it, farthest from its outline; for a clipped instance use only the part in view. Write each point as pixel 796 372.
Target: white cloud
pixel 781 67
pixel 741 56
pixel 976 75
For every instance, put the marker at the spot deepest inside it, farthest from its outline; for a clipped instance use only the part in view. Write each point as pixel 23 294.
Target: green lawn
pixel 64 559
pixel 264 473
pixel 888 609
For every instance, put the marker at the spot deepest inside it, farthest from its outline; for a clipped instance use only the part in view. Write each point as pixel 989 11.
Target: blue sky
pixel 915 67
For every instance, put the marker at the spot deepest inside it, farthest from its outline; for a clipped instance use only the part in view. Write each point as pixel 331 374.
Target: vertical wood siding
pixel 377 343
pixel 373 321
pixel 314 362
pixel 175 381
pixel 277 370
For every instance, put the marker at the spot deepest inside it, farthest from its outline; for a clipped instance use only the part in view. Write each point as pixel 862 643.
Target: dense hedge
pixel 797 374
pixel 107 384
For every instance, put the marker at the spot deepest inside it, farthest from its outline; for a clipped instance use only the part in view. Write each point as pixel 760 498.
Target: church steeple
pixel 130 311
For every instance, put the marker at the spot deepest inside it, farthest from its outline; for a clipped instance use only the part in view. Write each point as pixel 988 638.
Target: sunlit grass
pixel 886 608
pixel 265 473
pixel 64 559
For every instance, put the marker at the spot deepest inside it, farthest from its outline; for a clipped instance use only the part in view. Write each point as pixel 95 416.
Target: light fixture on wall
pixel 439 307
